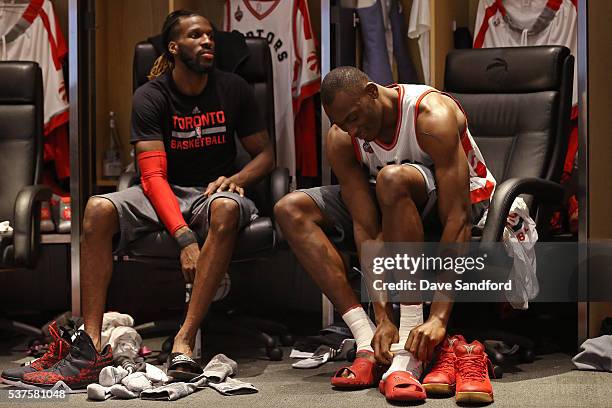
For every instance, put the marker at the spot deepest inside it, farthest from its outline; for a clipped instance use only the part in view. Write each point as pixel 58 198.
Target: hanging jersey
pixel 33 34
pixel 419 27
pixel 516 23
pixel 286 26
pixel 405 149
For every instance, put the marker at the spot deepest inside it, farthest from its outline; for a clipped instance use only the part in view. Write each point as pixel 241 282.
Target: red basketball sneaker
pixel 471 364
pixel 57 351
pixel 81 366
pixel 441 378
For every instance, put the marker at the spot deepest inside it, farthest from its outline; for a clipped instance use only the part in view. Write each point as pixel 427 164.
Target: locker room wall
pixel 599 141
pixel 119 26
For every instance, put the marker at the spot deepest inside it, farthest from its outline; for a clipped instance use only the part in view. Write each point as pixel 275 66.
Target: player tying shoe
pixel 404 158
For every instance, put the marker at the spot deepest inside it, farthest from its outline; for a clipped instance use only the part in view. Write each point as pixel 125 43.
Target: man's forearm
pixel 441 310
pixel 454 233
pixel 256 169
pixel 382 311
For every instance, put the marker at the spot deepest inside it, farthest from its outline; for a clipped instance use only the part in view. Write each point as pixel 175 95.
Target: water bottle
pixel 111 165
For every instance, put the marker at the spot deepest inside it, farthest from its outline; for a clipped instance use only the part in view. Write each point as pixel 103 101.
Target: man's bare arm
pixel 438 134
pixel 356 195
pixel 262 162
pixel 164 207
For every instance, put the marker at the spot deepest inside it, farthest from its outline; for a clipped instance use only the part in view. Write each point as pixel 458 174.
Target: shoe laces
pixel 472 368
pixel 55 348
pixel 445 362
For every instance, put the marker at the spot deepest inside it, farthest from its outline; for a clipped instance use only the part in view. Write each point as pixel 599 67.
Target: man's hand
pixel 189 255
pixel 385 335
pixel 424 338
pixel 189 259
pixel 223 184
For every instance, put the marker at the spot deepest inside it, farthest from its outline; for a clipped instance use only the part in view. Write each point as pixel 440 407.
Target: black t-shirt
pixel 197 131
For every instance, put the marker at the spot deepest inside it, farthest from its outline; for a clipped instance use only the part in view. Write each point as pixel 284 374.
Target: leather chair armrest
pixel 279 184
pixel 127 179
pixel 544 191
pixel 26 231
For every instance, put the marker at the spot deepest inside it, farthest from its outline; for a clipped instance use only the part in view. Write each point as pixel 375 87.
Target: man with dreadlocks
pixel 183 126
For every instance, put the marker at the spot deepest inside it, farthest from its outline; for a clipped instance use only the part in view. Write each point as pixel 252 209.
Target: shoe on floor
pixel 402 386
pixel 58 349
pixel 471 368
pixel 441 378
pixel 79 368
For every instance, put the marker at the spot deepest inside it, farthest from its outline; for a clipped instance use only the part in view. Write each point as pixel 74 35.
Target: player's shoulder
pixel 152 91
pixel 338 141
pixel 337 135
pixel 436 107
pixel 228 79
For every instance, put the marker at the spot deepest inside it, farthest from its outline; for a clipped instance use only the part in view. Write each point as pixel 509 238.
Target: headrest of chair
pixel 145 55
pixel 16 84
pixel 254 68
pixel 505 70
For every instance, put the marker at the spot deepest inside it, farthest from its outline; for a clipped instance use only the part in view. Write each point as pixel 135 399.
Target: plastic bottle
pixel 112 164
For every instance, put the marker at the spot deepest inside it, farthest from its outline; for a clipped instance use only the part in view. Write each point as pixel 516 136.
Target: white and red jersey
pixel 405 148
pixel 516 23
pixel 285 24
pixel 33 34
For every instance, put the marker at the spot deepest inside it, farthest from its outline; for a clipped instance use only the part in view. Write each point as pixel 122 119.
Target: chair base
pixel 22 328
pixel 263 332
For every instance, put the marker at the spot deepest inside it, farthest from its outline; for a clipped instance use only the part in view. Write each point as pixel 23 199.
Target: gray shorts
pixel 329 200
pixel 137 217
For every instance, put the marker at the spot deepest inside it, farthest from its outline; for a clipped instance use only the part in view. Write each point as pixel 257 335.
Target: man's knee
pixel 100 216
pixel 224 215
pixel 395 182
pixel 293 209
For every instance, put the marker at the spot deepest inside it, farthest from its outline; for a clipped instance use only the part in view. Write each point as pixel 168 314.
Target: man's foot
pixel 364 372
pixel 79 368
pixel 473 384
pixel 57 351
pixel 182 367
pixel 441 378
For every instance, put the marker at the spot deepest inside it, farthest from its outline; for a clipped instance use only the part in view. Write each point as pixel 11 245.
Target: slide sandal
pixel 402 386
pixel 367 373
pixel 176 360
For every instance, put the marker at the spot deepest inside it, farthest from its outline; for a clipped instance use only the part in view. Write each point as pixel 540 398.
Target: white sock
pixel 98 392
pixel 361 326
pixel 410 317
pixel 404 361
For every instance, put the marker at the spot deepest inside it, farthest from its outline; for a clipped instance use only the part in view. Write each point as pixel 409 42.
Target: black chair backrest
pixel 257 71
pixel 518 103
pixel 21 130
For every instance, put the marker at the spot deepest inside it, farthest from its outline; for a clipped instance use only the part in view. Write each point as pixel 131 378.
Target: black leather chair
pixel 257 240
pixel 518 103
pixel 21 146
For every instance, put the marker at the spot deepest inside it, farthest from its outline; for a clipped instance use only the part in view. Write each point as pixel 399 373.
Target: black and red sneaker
pixel 57 351
pixel 81 366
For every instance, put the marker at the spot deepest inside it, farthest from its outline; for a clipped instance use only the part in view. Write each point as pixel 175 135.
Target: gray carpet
pixel 548 382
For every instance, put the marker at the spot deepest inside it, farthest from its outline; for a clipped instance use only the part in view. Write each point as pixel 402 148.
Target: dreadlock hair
pixel 347 79
pixel 165 62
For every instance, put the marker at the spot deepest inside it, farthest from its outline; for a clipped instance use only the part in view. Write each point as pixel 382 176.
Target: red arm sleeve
pixel 154 177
